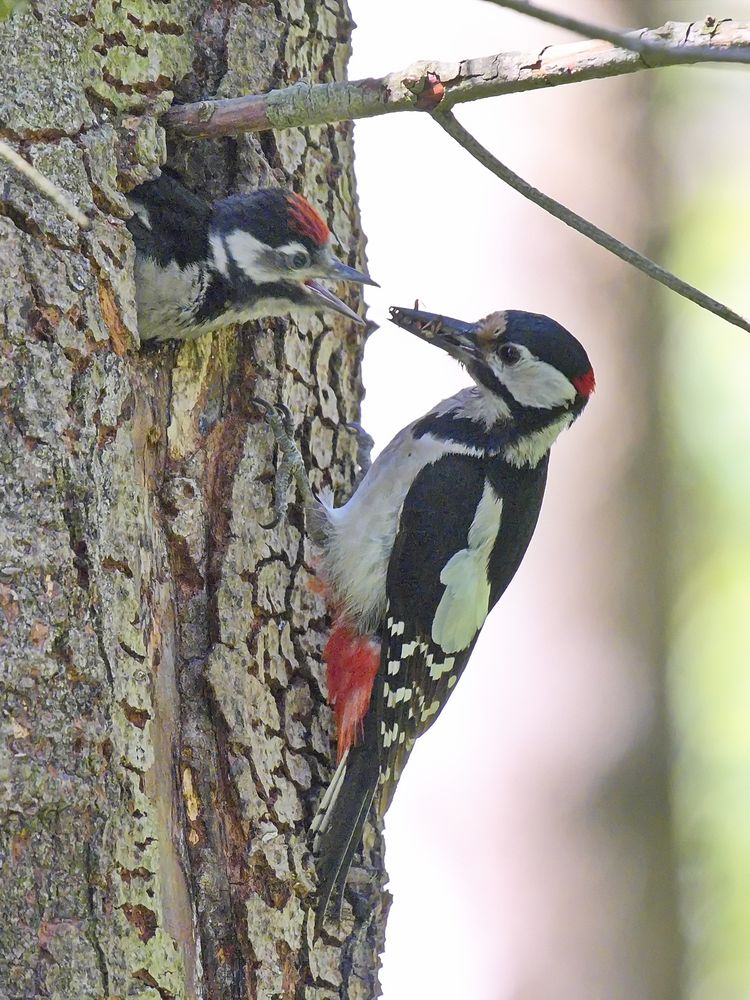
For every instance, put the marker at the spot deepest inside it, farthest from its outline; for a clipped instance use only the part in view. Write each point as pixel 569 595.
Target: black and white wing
pixel 437 601
pixel 464 528
pixel 169 222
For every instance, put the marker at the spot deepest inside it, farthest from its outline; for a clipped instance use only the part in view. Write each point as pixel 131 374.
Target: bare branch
pixel 449 123
pixel 662 50
pixel 44 185
pixel 424 84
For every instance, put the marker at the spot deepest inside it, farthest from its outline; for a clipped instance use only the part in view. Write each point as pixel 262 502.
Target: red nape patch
pixel 306 220
pixel 585 384
pixel 353 662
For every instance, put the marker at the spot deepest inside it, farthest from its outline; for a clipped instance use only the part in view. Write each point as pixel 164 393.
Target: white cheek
pixel 250 255
pixel 535 383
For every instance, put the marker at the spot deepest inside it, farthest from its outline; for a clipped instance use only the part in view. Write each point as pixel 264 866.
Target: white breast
pixel 167 298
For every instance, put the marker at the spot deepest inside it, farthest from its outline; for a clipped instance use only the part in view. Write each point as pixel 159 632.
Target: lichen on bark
pixel 164 730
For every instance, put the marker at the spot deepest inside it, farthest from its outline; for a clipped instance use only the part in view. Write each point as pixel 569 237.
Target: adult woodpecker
pixel 199 267
pixel 429 541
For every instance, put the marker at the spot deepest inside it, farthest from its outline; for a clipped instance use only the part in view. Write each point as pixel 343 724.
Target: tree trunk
pixel 165 732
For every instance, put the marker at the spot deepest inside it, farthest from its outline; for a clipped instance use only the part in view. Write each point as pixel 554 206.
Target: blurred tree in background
pixel 706 411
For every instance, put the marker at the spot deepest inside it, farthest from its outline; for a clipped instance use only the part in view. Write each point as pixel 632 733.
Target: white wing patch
pixel 464 605
pixel 221 258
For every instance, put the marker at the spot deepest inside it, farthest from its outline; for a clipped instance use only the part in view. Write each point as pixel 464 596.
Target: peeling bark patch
pixel 105 435
pixel 290 972
pixel 142 919
pixel 18 845
pixel 118 332
pixel 192 801
pixel 264 881
pixel 110 565
pixel 128 874
pixel 143 976
pixel 8 604
pixel 187 574
pixel 43 321
pixel 138 716
pixel 38 634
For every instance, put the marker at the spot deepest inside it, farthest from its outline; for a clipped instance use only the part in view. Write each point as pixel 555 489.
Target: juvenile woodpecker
pixel 200 267
pixel 419 555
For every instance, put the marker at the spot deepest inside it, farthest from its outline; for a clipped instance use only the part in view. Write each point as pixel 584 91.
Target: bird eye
pixel 299 259
pixel 509 354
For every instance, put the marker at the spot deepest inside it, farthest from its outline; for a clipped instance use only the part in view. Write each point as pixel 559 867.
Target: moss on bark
pixel 164 735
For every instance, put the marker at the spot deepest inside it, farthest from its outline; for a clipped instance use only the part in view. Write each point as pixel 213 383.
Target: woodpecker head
pixel 274 239
pixel 527 359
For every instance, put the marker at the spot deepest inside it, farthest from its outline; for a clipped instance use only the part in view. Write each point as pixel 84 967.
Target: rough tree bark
pixel 164 731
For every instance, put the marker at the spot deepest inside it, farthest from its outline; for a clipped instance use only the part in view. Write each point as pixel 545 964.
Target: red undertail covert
pixel 353 661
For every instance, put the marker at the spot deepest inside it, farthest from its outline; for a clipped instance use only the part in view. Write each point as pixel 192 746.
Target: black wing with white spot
pixel 416 671
pixel 445 574
pixel 412 699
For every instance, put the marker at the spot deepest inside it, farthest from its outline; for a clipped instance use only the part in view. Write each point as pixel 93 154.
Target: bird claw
pixel 291 465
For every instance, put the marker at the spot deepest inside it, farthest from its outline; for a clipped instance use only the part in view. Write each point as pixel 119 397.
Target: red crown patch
pixel 585 384
pixel 306 220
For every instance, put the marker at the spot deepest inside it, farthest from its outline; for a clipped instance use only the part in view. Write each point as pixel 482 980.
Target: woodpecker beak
pixel 325 299
pixel 454 336
pixel 337 271
pixel 342 272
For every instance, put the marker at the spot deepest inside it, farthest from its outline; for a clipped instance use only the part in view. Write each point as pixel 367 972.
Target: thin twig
pixel 635 42
pixel 44 185
pixel 449 123
pixel 575 24
pixel 413 89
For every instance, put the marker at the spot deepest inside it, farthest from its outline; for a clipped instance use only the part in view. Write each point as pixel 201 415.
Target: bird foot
pixel 291 465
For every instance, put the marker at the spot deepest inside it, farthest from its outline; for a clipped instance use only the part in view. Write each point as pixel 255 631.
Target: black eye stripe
pixel 509 354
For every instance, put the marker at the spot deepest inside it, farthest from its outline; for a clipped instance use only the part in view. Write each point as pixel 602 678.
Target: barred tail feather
pixel 342 814
pixel 323 816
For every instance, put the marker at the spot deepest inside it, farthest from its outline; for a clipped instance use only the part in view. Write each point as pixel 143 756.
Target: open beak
pixel 454 336
pixel 342 272
pixel 338 271
pixel 327 300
